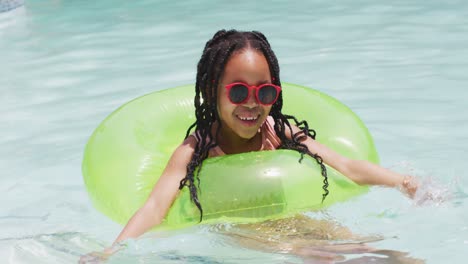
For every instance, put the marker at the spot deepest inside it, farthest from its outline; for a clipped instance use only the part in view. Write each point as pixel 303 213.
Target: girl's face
pixel 243 120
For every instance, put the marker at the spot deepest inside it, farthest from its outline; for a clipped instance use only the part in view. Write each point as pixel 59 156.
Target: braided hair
pixel 210 69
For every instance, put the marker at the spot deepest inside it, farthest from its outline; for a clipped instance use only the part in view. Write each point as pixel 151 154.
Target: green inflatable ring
pixel 128 151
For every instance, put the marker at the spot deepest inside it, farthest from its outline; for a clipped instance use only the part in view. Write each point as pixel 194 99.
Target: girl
pixel 238 105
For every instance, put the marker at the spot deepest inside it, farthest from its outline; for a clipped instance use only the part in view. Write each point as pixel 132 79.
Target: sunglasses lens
pixel 238 93
pixel 267 94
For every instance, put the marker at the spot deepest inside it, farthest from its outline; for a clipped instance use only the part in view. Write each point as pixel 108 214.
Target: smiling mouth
pixel 250 118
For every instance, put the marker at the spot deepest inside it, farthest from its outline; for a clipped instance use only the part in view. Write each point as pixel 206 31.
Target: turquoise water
pixel 65 65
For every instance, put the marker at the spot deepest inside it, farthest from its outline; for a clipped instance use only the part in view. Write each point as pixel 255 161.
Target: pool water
pixel 65 65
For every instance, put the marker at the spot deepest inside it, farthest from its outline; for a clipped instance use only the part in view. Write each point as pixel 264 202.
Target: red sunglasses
pixel 266 94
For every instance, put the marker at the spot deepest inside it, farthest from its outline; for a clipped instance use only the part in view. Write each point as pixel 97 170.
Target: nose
pixel 252 100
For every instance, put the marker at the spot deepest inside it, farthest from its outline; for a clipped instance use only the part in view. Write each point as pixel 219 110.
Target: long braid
pixel 210 69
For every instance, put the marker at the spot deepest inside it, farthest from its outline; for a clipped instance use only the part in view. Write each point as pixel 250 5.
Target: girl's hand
pixel 98 256
pixel 409 186
pixel 93 257
pixel 424 191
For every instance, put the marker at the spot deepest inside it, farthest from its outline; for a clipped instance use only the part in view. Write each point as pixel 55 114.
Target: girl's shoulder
pixel 186 148
pixel 190 141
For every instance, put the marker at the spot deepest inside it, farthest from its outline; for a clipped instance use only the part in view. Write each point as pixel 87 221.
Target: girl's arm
pixel 158 203
pixel 361 171
pixel 163 194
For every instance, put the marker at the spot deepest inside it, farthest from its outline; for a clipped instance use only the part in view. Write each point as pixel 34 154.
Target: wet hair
pixel 210 70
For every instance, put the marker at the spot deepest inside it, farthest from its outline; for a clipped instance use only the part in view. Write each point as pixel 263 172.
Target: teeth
pixel 247 118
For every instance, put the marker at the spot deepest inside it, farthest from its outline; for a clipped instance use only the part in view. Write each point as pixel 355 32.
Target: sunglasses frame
pixel 252 87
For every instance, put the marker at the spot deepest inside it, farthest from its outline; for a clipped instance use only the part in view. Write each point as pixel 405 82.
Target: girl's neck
pixel 230 143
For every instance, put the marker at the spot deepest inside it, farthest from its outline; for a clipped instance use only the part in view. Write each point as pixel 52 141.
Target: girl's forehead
pixel 247 65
